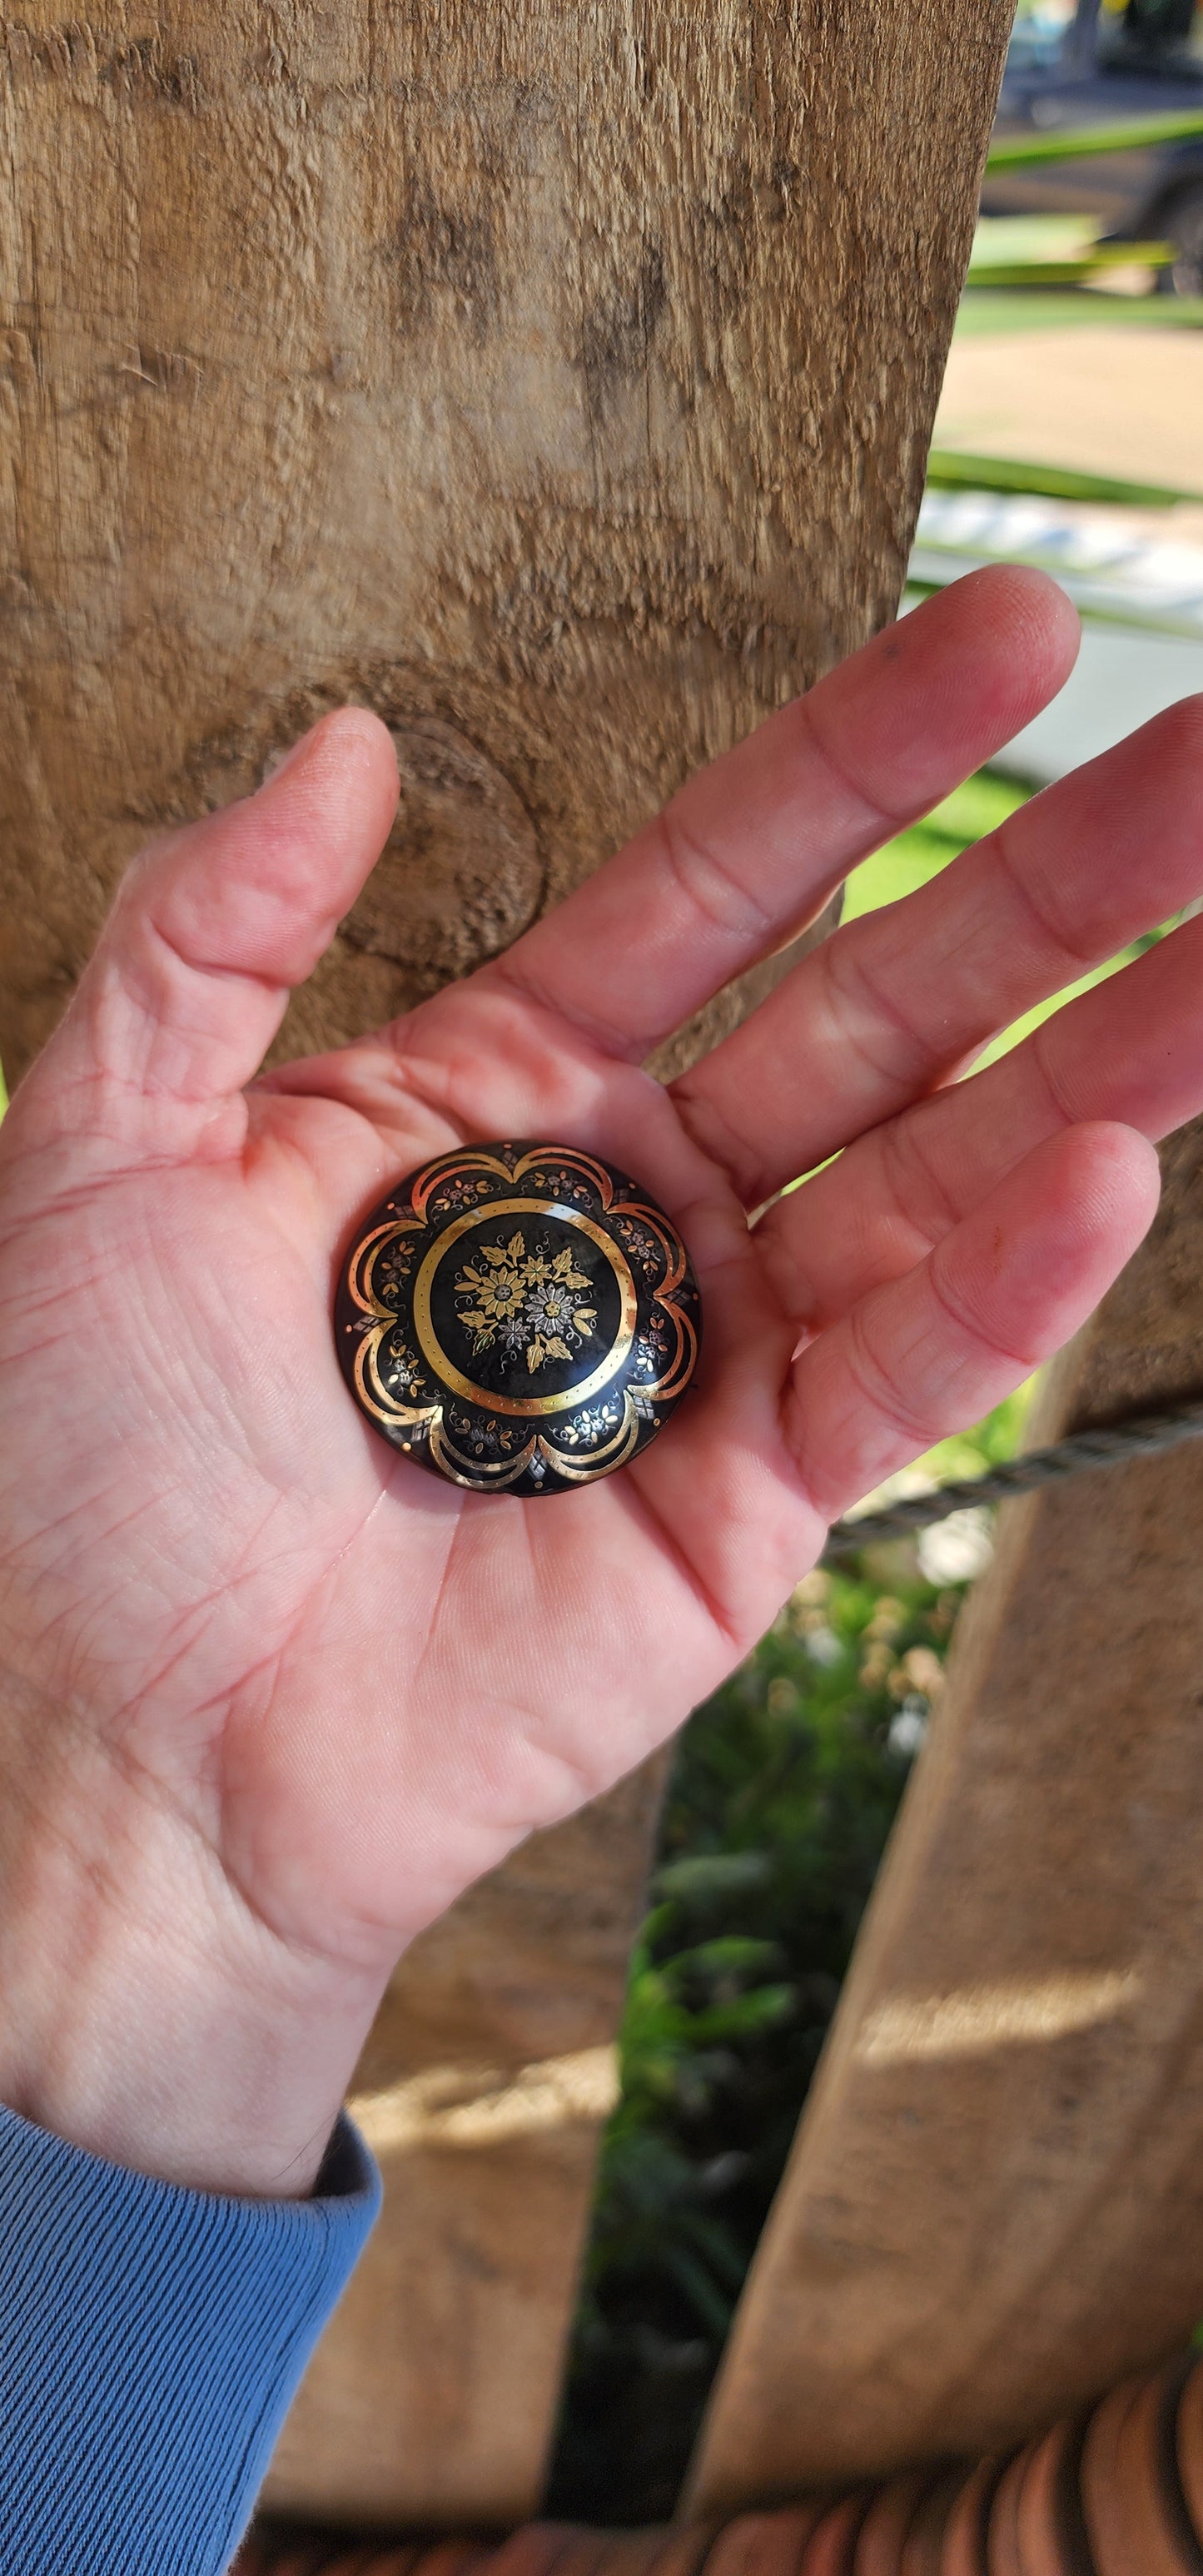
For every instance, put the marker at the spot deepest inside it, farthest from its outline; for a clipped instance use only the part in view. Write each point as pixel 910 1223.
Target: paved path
pixel 1115 402
pixel 1128 403
pixel 1120 681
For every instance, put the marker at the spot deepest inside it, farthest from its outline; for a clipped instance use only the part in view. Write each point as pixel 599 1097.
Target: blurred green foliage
pixel 954 469
pixel 1118 134
pixel 783 1792
pixel 978 806
pixel 998 311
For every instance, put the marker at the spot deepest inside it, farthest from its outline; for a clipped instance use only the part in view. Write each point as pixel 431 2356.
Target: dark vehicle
pixel 1100 64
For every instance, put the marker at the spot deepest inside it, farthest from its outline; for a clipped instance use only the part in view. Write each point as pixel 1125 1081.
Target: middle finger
pixel 890 1006
pixel 1128 1052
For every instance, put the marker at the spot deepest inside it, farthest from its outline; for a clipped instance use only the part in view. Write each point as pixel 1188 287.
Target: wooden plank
pixel 490 2070
pixel 994 2209
pixel 554 376
pixel 557 378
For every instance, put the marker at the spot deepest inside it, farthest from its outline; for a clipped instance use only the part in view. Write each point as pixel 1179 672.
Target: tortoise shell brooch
pixel 519 1318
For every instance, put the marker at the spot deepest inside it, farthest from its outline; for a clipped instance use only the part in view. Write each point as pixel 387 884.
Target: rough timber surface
pixel 482 2091
pixel 994 2209
pixel 556 377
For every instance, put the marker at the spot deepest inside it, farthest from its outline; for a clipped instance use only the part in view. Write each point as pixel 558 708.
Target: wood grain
pixel 554 376
pixel 483 2088
pixel 994 2208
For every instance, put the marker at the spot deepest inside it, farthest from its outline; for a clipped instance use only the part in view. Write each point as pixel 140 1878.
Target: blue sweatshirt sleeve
pixel 151 2338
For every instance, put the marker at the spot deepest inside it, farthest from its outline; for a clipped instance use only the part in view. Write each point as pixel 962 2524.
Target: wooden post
pixel 994 2209
pixel 556 377
pixel 482 2091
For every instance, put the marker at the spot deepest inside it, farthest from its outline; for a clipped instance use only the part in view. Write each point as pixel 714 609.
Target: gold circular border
pixel 527 1406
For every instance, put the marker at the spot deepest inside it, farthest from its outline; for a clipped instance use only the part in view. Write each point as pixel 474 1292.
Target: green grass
pixel 917 855
pixel 922 852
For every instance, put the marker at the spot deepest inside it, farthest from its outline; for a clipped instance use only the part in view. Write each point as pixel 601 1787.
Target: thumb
pixel 212 928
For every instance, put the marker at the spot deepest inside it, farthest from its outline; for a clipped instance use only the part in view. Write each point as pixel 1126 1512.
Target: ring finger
pixel 890 1006
pixel 1129 1051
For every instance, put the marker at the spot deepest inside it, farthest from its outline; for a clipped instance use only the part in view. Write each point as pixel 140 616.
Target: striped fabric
pixel 150 2340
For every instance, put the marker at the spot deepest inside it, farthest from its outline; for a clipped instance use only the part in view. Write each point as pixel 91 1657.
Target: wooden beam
pixel 555 376
pixel 994 2208
pixel 491 2068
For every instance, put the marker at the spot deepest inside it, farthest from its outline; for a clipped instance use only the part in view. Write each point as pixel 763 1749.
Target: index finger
pixel 752 848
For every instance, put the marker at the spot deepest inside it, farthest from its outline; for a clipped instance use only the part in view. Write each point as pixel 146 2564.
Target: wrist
pixel 147 2016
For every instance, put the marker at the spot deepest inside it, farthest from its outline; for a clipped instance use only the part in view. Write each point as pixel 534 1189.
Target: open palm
pixel 275 1694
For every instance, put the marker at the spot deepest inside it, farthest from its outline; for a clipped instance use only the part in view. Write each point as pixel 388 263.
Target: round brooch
pixel 519 1318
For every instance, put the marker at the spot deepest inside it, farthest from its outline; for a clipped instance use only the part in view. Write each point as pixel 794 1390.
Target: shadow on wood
pixel 995 2202
pixel 484 2084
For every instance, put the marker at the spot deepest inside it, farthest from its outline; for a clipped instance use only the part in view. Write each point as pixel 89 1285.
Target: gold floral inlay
pixel 529 1302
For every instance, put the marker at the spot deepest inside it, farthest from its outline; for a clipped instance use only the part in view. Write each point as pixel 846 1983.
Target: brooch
pixel 518 1318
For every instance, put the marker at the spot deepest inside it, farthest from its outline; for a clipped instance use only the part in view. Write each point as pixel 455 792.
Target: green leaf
pixel 988 311
pixel 706 1877
pixel 951 468
pixel 760 2010
pixel 732 1954
pixel 1053 250
pixel 1129 134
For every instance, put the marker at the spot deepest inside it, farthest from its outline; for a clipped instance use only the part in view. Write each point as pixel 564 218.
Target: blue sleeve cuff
pixel 151 2339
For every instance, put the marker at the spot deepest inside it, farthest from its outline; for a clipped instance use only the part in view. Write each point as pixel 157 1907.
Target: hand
pixel 272 1695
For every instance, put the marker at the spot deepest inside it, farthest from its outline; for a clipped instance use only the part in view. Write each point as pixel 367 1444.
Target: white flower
pixel 908 1729
pixel 822 1645
pixel 958 1548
